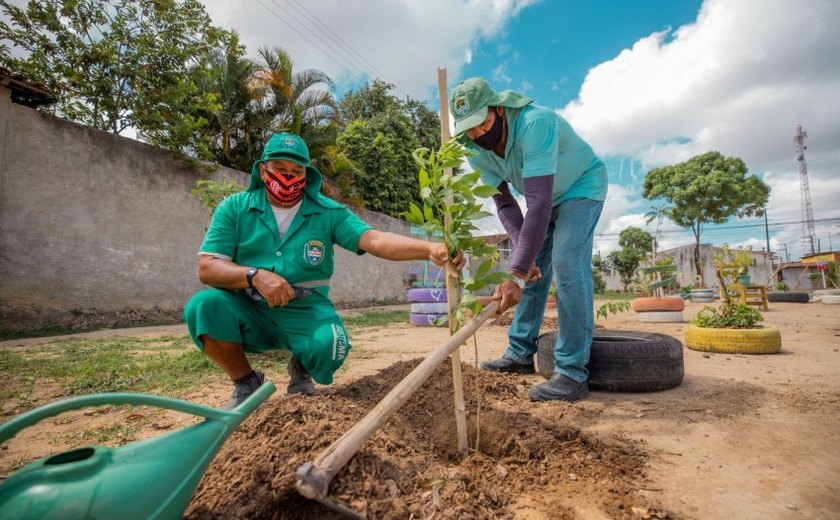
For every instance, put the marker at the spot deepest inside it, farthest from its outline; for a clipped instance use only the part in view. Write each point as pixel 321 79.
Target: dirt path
pixel 741 437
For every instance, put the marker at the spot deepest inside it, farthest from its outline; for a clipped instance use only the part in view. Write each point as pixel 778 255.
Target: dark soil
pixel 411 467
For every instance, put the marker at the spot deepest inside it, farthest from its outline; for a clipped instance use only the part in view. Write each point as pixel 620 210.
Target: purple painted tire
pixel 426 295
pixel 426 320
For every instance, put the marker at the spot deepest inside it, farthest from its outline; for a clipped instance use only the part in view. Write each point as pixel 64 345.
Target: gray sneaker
pixel 505 364
pixel 242 390
pixel 301 381
pixel 559 387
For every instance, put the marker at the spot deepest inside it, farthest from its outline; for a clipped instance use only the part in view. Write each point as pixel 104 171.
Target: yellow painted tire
pixel 766 340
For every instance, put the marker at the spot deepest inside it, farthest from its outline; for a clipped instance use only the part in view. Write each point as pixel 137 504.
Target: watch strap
pixel 249 275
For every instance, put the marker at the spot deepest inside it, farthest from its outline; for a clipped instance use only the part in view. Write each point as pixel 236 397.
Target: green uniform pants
pixel 315 335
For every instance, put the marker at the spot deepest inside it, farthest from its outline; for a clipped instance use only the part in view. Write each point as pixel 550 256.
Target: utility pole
pixel 804 189
pixel 787 255
pixel 767 233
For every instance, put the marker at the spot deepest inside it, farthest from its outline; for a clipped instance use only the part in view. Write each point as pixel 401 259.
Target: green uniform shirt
pixel 540 142
pixel 244 230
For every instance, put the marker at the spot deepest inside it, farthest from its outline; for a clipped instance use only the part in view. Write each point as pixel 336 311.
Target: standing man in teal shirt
pixel 537 152
pixel 263 247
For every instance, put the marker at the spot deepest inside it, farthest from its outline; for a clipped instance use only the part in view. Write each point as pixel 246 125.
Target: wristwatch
pixel 249 275
pixel 520 282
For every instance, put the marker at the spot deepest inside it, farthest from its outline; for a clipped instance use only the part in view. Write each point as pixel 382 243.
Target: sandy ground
pixel 741 437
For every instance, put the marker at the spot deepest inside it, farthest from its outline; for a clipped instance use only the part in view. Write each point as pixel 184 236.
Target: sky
pixel 648 83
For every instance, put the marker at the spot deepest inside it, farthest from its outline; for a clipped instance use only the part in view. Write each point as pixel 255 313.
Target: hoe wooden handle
pixel 313 478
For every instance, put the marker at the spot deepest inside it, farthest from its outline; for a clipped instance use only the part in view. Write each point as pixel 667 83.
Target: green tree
pixel 237 125
pixel 301 102
pixel 380 133
pixel 119 64
pixel 635 245
pixel 707 188
pixel 598 266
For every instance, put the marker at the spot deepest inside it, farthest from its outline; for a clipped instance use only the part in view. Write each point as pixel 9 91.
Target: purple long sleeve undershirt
pixel 528 232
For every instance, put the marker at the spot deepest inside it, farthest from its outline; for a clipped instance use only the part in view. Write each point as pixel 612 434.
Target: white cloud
pixel 404 41
pixel 738 80
pixel 500 74
pixel 525 86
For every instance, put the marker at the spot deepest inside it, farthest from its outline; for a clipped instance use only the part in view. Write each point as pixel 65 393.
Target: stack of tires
pixel 703 295
pixel 427 306
pixel 659 310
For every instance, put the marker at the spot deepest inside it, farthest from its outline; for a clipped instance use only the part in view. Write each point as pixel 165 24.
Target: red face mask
pixel 284 189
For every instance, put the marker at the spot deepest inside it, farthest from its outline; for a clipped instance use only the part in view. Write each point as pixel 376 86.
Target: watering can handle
pixel 11 428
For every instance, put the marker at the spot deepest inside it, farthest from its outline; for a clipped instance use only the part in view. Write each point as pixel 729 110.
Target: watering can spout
pixel 153 478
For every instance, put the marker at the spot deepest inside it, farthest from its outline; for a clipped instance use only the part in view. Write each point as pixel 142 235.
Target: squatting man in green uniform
pixel 534 150
pixel 262 246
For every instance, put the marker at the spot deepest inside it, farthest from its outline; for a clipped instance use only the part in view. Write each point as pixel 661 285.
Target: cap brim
pixel 288 157
pixel 474 119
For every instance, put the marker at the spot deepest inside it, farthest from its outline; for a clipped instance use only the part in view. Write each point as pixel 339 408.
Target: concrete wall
pixel 760 273
pixel 97 229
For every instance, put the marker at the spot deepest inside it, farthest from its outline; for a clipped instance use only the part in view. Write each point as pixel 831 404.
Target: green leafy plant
pixel 211 193
pixel 612 308
pixel 737 316
pixel 450 207
pixel 733 262
pixel 781 287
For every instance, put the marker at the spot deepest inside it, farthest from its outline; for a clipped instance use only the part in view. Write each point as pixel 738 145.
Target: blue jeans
pixel 566 255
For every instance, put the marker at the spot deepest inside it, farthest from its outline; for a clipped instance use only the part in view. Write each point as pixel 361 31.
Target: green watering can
pixel 153 478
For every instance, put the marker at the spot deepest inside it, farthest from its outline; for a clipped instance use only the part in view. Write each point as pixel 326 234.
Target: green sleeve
pixel 221 235
pixel 348 229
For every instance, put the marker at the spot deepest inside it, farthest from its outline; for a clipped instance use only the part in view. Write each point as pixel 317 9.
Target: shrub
pixel 737 316
pixel 781 287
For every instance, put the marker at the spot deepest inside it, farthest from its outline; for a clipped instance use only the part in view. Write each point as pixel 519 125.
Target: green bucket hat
pixel 286 146
pixel 470 99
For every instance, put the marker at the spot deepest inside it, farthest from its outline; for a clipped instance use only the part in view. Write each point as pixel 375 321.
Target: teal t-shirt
pixel 540 142
pixel 244 230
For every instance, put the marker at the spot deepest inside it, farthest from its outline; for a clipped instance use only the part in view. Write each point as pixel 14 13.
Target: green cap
pixel 286 146
pixel 470 99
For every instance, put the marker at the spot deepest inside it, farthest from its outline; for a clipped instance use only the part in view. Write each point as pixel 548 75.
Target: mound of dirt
pixel 411 467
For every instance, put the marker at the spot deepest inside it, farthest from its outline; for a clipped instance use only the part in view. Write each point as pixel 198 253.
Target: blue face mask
pixel 491 138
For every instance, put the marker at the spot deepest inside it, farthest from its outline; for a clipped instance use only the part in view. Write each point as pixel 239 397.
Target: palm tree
pixel 294 99
pixel 238 126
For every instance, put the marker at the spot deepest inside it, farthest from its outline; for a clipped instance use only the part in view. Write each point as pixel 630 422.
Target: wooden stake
pixel 453 292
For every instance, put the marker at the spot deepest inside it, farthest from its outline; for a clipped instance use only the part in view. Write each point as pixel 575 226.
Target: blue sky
pixel 646 82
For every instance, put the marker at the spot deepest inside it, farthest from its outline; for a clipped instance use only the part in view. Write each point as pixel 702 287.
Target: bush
pixel 781 287
pixel 737 316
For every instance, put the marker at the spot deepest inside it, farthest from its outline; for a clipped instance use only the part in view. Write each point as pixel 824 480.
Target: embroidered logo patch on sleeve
pixel 313 252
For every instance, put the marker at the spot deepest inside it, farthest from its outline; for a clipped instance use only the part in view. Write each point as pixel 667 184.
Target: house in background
pixel 796 275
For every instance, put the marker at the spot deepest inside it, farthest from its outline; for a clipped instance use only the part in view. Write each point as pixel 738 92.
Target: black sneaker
pixel 559 387
pixel 301 381
pixel 244 389
pixel 505 364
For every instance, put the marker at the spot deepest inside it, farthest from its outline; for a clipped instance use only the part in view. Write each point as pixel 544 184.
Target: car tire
pixel 670 303
pixel 766 340
pixel 788 297
pixel 427 320
pixel 430 308
pixel 624 360
pixel 426 295
pixel 661 316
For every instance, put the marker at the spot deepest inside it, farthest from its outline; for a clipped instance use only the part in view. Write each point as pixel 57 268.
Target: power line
pixel 292 27
pixel 330 33
pixel 727 228
pixel 334 50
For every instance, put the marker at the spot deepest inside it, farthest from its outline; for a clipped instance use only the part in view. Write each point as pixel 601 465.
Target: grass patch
pixel 375 319
pixel 169 365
